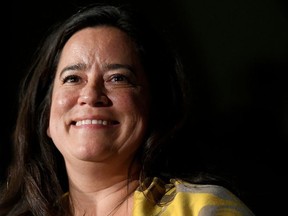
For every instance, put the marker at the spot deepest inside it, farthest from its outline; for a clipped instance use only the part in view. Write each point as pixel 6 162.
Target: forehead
pixel 100 36
pixel 109 42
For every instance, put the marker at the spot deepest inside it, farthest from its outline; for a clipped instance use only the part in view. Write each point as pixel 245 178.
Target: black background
pixel 240 100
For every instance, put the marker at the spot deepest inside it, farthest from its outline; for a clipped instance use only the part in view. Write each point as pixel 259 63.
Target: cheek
pixel 61 102
pixel 133 102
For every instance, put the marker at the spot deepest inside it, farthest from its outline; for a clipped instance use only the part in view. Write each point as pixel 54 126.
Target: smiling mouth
pixel 94 122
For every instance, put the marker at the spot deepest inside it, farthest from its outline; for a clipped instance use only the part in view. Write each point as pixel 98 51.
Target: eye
pixel 71 79
pixel 119 78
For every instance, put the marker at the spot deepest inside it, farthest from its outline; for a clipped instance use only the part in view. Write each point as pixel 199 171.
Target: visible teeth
pixel 89 121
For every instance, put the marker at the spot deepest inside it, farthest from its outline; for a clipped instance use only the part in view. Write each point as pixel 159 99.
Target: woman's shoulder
pixel 211 190
pixel 178 196
pixel 178 186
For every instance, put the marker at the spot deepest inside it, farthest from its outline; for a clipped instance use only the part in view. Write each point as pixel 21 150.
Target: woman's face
pixel 100 97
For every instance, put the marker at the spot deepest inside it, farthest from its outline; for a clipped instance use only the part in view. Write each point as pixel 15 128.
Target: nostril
pixel 102 99
pixel 94 99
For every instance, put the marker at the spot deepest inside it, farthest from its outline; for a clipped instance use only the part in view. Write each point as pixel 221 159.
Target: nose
pixel 93 95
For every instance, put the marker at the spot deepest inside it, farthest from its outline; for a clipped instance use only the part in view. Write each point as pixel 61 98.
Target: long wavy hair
pixel 37 176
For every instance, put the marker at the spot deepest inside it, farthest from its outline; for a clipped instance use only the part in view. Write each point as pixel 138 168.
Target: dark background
pixel 240 100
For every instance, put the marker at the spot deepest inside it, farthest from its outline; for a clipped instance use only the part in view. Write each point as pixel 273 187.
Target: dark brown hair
pixel 37 178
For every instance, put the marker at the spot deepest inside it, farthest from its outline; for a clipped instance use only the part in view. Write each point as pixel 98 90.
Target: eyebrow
pixel 79 66
pixel 118 66
pixel 106 67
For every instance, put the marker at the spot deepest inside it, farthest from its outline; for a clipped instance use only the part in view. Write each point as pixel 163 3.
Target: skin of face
pixel 100 98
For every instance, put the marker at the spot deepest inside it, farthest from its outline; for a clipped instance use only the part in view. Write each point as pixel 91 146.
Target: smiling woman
pixel 94 92
pixel 103 100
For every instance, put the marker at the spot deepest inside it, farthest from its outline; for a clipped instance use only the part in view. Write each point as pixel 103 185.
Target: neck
pixel 115 200
pixel 102 191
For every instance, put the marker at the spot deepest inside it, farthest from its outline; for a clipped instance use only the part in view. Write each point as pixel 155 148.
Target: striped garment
pixel 180 198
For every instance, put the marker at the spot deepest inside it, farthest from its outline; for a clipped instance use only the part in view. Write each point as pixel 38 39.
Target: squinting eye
pixel 119 78
pixel 71 79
